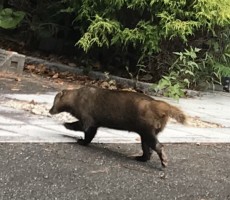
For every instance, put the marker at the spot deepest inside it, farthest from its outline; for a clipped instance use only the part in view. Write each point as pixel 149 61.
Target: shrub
pixel 145 23
pixel 146 33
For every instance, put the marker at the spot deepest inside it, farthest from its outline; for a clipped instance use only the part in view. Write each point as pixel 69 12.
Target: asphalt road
pixel 74 172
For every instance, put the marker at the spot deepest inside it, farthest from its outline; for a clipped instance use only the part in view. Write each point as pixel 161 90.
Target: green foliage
pixel 98 32
pixel 149 21
pixel 218 53
pixel 170 86
pixel 145 33
pixel 213 12
pixel 190 70
pixel 111 25
pixel 186 66
pixel 143 26
pixel 182 73
pixel 10 19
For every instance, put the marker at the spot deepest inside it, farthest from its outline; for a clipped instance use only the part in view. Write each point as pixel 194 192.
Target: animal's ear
pixel 62 93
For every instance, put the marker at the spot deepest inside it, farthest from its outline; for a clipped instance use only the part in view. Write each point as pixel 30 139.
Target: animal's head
pixel 60 104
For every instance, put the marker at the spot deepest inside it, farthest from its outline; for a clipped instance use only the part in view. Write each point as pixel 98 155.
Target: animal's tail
pixel 177 114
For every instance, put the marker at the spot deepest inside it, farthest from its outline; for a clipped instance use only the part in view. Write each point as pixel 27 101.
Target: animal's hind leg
pixel 161 153
pixel 153 142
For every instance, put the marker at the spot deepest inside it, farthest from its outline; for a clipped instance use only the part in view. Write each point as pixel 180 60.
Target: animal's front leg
pixel 89 135
pixel 147 152
pixel 75 126
pixel 90 130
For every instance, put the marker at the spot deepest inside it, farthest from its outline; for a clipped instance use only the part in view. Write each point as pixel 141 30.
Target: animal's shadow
pixel 125 158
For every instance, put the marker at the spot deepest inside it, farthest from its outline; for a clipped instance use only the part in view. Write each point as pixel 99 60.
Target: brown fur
pixel 95 107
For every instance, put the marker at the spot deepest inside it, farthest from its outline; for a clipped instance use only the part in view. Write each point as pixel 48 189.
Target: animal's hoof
pixel 141 158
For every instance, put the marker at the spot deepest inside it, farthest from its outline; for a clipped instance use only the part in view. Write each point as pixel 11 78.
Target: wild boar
pixel 124 110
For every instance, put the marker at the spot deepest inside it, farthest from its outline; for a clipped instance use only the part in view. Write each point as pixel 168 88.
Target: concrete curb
pixel 145 87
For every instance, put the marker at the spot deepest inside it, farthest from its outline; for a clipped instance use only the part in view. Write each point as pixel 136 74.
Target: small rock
pixel 46 176
pixel 105 84
pixel 55 75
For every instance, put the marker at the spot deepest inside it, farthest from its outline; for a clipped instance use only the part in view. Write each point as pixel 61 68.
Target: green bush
pixel 145 23
pixel 146 33
pixel 147 27
pixel 191 70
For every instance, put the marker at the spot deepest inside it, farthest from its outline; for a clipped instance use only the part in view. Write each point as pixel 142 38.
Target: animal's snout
pixel 51 111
